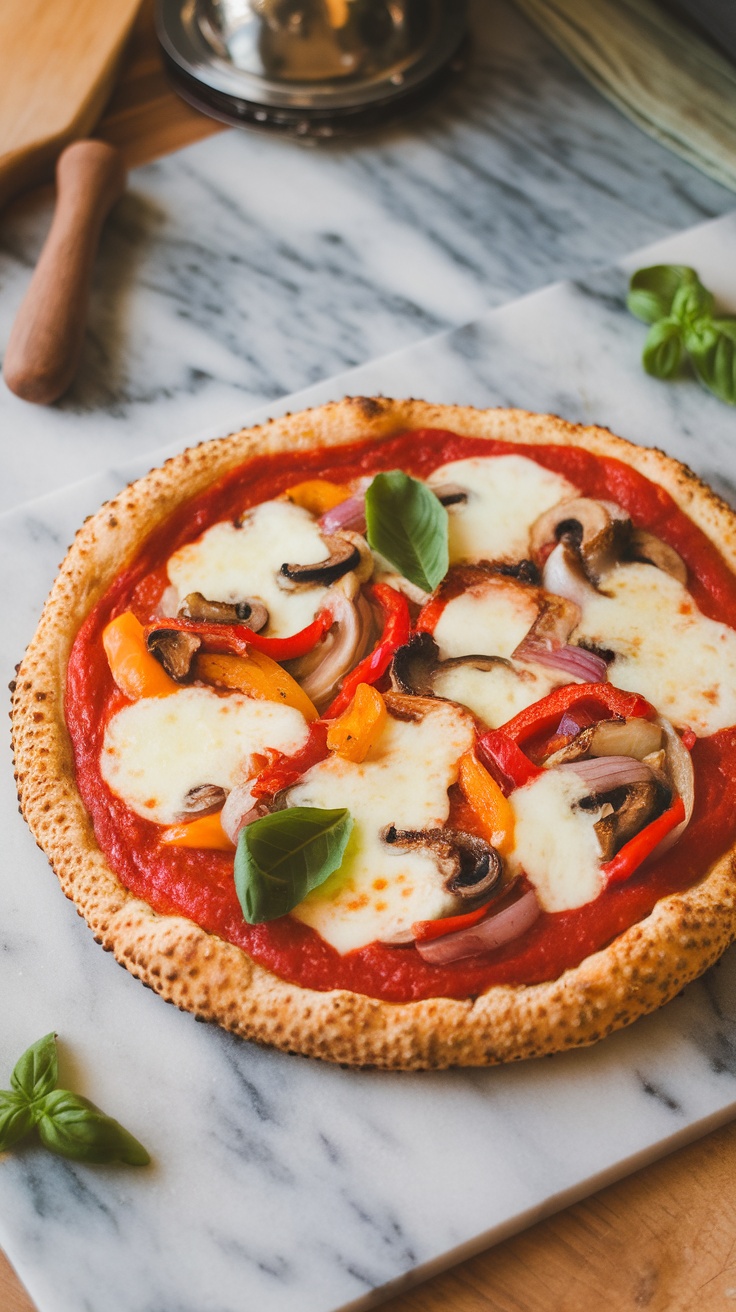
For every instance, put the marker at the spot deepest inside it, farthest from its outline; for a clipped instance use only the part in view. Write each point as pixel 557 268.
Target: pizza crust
pixel 199 972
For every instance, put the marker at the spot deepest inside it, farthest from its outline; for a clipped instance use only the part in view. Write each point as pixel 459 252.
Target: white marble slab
pixel 246 267
pixel 279 1183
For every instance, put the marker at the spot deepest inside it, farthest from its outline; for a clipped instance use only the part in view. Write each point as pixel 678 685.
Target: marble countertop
pixel 247 267
pixel 234 273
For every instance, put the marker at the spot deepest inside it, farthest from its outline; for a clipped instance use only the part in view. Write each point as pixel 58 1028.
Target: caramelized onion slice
pixel 496 930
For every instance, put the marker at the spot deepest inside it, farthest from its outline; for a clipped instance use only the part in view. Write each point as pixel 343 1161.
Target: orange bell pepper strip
pixel 492 809
pixel 354 733
pixel 257 676
pixel 206 831
pixel 317 495
pixel 136 672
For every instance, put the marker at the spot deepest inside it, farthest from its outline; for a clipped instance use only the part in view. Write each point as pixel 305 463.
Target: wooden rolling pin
pixel 46 339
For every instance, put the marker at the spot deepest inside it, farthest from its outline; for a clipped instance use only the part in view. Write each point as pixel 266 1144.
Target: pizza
pixel 396 734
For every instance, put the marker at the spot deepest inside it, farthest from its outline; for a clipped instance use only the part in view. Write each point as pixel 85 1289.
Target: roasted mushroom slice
pixel 615 737
pixel 344 556
pixel 598 530
pixel 416 665
pixel 469 866
pixel 199 608
pixel 203 799
pixel 451 494
pixel 632 808
pixel 650 549
pixel 175 650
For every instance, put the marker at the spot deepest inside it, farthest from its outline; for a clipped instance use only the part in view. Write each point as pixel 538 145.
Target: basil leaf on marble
pixel 407 524
pixel 36 1073
pixel 714 357
pixel 652 291
pixel 67 1124
pixel 73 1127
pixel 282 857
pixel 692 303
pixel 664 349
pixel 17 1119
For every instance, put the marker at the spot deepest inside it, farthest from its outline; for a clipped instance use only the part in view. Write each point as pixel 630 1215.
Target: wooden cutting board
pixel 58 60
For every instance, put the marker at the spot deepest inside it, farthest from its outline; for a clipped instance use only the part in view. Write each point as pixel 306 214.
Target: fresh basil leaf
pixel 37 1071
pixel 16 1118
pixel 652 291
pixel 407 523
pixel 73 1127
pixel 713 353
pixel 282 857
pixel 664 349
pixel 692 303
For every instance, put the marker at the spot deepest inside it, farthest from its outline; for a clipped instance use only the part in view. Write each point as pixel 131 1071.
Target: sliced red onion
pixel 573 720
pixel 348 514
pixel 241 808
pixel 682 777
pixel 575 661
pixel 489 934
pixel 600 773
pixel 564 576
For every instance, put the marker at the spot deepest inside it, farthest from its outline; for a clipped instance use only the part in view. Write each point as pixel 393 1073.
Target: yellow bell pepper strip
pixel 206 831
pixel 355 732
pixel 487 801
pixel 136 672
pixel 317 495
pixel 257 676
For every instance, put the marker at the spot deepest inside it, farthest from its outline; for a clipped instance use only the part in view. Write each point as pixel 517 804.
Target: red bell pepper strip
pixel 396 630
pixel 424 930
pixel 544 716
pixel 237 638
pixel 283 770
pixel 638 848
pixel 510 767
pixel 689 738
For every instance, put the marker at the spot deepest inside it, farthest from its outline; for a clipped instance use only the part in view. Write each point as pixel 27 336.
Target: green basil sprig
pixel 407 523
pixel 679 308
pixel 67 1124
pixel 282 857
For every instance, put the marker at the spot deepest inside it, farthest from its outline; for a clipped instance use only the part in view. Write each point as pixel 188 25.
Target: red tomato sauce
pixel 199 884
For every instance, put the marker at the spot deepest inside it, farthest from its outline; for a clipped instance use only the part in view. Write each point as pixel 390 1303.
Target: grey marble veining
pixel 287 1185
pixel 246 268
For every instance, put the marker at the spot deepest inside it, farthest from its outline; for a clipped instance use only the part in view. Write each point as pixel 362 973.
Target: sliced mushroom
pixel 640 804
pixel 598 530
pixel 647 547
pixel 199 608
pixel 557 618
pixel 416 665
pixel 321 671
pixel 344 556
pixel 469 866
pixel 204 799
pixel 525 571
pixel 175 650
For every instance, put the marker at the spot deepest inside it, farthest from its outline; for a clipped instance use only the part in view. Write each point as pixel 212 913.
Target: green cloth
pixel 656 69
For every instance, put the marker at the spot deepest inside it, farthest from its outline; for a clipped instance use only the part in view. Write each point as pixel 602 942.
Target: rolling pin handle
pixel 46 339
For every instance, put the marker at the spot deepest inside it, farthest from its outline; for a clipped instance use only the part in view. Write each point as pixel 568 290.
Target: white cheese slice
pixel 497 694
pixel 491 619
pixel 236 564
pixel 554 844
pixel 505 496
pixel 666 649
pixel 158 748
pixel 381 889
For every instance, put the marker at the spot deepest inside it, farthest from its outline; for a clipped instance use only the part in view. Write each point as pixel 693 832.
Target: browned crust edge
pixel 199 972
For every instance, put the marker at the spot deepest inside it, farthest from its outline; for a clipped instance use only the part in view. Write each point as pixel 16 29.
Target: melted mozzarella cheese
pixel 381 889
pixel 555 845
pixel 497 694
pixel 491 620
pixel 505 496
pixel 237 564
pixel 666 649
pixel 157 749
